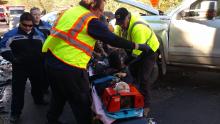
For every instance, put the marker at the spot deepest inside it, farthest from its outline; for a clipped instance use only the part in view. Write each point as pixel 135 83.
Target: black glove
pixel 128 59
pixel 143 47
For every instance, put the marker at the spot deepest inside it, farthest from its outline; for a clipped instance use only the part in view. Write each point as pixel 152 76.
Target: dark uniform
pixel 24 52
pixel 44 27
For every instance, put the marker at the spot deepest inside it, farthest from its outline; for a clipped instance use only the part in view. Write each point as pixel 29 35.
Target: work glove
pixel 128 59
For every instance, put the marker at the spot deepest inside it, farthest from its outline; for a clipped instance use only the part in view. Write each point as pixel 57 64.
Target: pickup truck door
pixel 195 35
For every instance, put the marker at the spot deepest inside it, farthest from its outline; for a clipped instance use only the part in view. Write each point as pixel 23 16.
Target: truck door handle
pixel 164 19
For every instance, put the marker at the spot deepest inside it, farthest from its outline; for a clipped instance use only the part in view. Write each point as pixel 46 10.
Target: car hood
pixel 156 21
pixel 50 17
pixel 140 5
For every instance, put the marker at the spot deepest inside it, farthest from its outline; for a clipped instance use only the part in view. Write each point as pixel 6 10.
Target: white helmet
pixel 122 87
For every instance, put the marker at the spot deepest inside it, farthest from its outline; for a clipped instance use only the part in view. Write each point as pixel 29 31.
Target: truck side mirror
pixel 183 14
pixel 161 12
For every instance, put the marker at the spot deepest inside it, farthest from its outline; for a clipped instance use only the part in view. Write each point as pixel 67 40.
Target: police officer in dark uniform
pixel 22 47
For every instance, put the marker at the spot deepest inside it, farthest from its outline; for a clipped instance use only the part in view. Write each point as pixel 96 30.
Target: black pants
pixel 141 71
pixel 20 73
pixel 72 87
pixel 45 83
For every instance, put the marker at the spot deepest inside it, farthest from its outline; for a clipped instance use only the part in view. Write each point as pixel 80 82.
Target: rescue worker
pixel 68 50
pixel 134 29
pixel 44 27
pixel 22 47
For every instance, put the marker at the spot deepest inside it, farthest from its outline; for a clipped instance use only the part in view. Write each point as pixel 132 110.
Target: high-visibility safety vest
pixel 139 32
pixel 69 40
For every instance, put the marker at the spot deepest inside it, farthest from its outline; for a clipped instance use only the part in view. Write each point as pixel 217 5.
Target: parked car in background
pixel 13 14
pixel 2 13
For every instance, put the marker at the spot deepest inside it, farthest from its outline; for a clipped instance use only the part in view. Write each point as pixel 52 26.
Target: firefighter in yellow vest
pixel 68 50
pixel 133 28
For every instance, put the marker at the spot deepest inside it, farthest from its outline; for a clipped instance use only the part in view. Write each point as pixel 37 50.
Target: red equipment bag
pixel 115 101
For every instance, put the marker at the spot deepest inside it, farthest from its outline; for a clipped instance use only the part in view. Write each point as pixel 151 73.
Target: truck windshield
pixel 14 12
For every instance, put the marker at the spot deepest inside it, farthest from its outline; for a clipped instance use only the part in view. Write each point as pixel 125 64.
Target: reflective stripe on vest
pixel 70 37
pixel 151 33
pixel 151 40
pixel 69 40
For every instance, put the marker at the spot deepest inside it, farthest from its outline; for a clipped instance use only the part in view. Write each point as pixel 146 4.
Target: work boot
pixel 14 118
pixel 146 111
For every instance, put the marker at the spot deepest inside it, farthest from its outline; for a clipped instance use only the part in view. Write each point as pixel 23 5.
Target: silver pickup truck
pixel 189 34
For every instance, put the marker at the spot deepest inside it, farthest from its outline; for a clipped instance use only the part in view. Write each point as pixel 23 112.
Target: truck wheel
pixel 154 74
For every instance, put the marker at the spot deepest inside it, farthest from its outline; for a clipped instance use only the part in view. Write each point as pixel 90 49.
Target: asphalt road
pixel 179 98
pixel 187 98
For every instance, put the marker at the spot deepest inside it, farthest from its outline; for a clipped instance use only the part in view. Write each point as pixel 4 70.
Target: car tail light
pixel 2 15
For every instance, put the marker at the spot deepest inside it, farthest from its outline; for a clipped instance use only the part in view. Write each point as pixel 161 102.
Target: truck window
pixel 204 5
pixel 14 12
pixel 1 10
pixel 205 9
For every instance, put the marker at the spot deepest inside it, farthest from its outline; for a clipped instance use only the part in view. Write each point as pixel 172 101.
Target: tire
pixel 154 74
